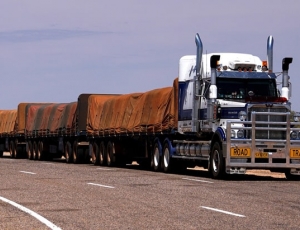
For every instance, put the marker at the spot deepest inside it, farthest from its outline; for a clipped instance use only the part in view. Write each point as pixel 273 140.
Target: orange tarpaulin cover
pixel 67 118
pixel 55 116
pixel 7 121
pixel 22 117
pixel 32 119
pixel 44 117
pixel 95 107
pixel 152 111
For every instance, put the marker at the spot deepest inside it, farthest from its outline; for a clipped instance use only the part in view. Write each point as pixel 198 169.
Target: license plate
pixel 240 152
pixel 261 155
pixel 295 153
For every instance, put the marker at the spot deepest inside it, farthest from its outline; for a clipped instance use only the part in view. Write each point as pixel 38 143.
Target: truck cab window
pixel 229 88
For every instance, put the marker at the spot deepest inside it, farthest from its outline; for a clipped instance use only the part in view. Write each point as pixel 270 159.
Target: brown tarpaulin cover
pixel 33 114
pixel 20 125
pixel 66 121
pixel 49 118
pixel 95 107
pixel 7 121
pixel 55 116
pixel 149 112
pixel 44 115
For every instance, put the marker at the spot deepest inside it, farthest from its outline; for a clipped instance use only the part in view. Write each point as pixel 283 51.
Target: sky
pixel 53 51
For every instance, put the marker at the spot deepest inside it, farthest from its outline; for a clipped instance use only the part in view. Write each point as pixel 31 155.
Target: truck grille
pixel 269 134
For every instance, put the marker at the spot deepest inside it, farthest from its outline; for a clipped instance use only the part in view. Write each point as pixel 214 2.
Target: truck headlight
pixel 242 115
pixel 232 134
pixel 293 135
pixel 240 134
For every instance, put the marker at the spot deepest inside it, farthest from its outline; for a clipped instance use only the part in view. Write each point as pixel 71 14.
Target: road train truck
pixel 226 112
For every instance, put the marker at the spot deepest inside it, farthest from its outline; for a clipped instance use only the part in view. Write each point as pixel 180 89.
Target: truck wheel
pixel 110 156
pixel 19 151
pixel 1 153
pixel 95 154
pixel 12 150
pixel 102 153
pixel 166 159
pixel 40 152
pixel 35 151
pixel 217 164
pixel 76 158
pixel 29 150
pixel 155 163
pixel 68 152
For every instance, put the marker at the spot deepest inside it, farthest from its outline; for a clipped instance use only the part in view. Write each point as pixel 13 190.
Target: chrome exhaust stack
pixel 199 54
pixel 270 53
pixel 196 86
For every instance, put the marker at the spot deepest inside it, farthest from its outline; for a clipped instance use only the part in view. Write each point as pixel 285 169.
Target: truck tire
pixel 29 150
pixel 35 151
pixel 166 159
pixel 156 159
pixel 110 155
pixel 76 153
pixel 102 153
pixel 95 154
pixel 19 150
pixel 1 153
pixel 12 150
pixel 217 163
pixel 40 152
pixel 68 152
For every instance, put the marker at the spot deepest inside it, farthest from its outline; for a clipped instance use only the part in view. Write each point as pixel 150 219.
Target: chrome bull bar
pixel 248 152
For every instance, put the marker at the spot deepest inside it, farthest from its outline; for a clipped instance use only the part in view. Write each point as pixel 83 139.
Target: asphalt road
pixel 90 197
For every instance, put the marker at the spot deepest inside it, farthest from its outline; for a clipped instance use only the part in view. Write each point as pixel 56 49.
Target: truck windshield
pixel 244 88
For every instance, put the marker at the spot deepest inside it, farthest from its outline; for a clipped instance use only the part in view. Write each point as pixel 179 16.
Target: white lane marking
pixel 32 213
pixel 103 169
pixel 28 172
pixel 222 211
pixel 205 181
pixel 101 185
pixel 48 163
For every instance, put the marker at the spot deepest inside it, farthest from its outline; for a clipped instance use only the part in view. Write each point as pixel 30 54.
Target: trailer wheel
pixel 95 154
pixel 217 162
pixel 156 158
pixel 19 150
pixel 35 151
pixel 40 152
pixel 29 150
pixel 102 153
pixel 166 159
pixel 75 153
pixel 12 150
pixel 110 156
pixel 68 152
